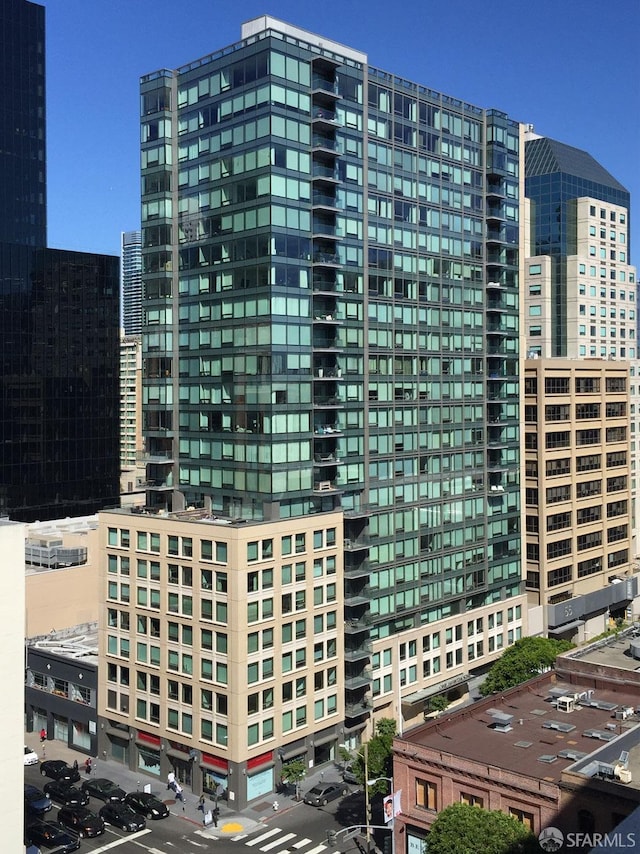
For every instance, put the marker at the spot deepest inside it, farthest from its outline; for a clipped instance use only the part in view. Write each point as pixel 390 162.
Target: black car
pixel 147 804
pixel 48 835
pixel 320 795
pixel 122 816
pixel 81 820
pixel 65 794
pixel 59 770
pixel 104 790
pixel 35 802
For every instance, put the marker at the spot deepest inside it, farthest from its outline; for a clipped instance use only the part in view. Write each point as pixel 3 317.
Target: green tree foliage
pixel 379 759
pixel 293 772
pixel 438 703
pixel 523 660
pixel 463 829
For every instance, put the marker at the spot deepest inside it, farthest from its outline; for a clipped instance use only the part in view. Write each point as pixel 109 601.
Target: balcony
pixel 326 402
pixel 326 486
pixel 358 652
pixel 357 625
pixel 330 259
pixel 357 544
pixel 320 172
pixel 324 117
pixel 357 709
pixel 324 86
pixel 359 570
pixel 358 680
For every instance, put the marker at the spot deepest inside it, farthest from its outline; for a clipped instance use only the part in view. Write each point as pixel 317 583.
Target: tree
pixel 438 703
pixel 525 659
pixel 345 755
pixel 379 758
pixel 465 829
pixel 293 772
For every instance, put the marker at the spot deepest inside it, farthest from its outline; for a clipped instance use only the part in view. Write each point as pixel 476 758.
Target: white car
pixel 30 757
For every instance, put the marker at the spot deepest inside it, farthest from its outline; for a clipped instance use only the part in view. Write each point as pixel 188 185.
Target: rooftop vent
pixel 501 721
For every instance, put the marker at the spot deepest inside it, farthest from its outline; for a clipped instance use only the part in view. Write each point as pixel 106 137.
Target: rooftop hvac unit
pixel 566 704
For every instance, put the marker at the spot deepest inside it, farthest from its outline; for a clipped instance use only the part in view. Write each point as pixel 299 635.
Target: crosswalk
pixel 278 841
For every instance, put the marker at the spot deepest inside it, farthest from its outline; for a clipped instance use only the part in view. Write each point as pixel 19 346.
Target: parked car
pixel 147 804
pixel 48 835
pixel 104 790
pixel 348 775
pixel 36 803
pixel 320 795
pixel 122 816
pixel 65 794
pixel 30 756
pixel 59 770
pixel 81 820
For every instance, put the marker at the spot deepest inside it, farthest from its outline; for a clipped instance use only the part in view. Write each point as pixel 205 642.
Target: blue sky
pixel 569 67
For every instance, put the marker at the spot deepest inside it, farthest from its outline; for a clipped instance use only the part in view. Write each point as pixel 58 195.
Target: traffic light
pixel 368 813
pixel 332 837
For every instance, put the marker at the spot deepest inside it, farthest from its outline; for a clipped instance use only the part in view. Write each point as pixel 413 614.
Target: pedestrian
pixel 171 781
pixel 201 802
pixel 75 764
pixel 87 766
pixel 179 796
pixel 43 735
pixel 214 816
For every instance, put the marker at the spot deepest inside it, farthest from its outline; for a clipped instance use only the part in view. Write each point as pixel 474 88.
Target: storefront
pixel 148 749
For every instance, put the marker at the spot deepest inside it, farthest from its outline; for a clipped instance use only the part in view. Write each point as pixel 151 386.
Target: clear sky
pixel 569 67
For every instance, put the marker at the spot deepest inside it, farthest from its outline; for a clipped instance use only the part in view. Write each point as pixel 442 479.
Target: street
pixel 295 829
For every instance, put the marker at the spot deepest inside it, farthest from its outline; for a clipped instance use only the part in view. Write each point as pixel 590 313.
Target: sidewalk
pixel 230 822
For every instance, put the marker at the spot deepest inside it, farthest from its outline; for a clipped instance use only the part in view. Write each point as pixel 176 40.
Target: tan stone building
pixel 577 495
pixel 221 646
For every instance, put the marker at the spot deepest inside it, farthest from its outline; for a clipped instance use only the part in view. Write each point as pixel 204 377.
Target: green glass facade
pixel 330 266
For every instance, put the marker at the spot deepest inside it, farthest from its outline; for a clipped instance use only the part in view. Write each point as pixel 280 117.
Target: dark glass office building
pixel 556 176
pixel 59 395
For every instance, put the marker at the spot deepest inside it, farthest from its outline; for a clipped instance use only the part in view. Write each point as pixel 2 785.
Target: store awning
pixel 324 739
pixel 432 690
pixel 117 733
pixel 286 755
pixel 178 754
pixel 566 627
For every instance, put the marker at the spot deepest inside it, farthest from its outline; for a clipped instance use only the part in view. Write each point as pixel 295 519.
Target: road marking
pixel 301 843
pixel 317 849
pixel 263 837
pixel 239 837
pixel 278 841
pixel 121 840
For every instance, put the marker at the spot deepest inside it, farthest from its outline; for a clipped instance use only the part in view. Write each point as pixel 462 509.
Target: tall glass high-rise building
pixel 330 268
pixel 58 315
pixel 131 282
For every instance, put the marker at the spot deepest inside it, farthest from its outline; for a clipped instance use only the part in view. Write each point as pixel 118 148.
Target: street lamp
pixel 389 825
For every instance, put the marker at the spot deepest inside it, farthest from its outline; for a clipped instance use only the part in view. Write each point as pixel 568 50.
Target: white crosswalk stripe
pixel 263 837
pixel 279 841
pixel 301 843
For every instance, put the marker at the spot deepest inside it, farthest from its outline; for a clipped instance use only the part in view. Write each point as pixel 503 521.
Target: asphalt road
pixel 296 829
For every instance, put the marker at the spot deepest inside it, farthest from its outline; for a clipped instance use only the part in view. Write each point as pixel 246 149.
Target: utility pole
pixel 367 805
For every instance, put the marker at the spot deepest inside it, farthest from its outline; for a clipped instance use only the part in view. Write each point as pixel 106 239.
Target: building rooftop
pixel 541 728
pixel 621 651
pixel 545 156
pixel 78 642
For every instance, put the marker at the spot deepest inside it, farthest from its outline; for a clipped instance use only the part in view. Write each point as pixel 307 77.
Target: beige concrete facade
pixel 131 441
pixel 12 673
pixel 577 478
pixel 72 589
pixel 221 646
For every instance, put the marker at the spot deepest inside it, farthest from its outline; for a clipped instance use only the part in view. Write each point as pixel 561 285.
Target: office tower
pixel 23 212
pixel 577 495
pixel 331 331
pixel 59 316
pixel 580 295
pixel 131 282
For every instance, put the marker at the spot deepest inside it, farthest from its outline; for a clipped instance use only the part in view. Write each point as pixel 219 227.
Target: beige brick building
pixel 577 496
pixel 222 645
